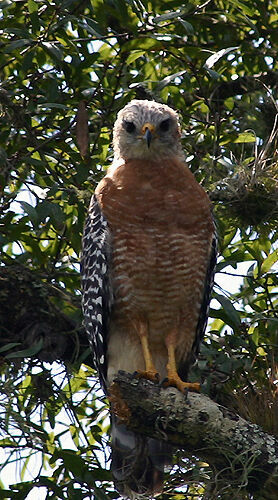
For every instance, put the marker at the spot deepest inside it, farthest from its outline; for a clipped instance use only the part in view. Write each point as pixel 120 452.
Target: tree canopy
pixel 67 67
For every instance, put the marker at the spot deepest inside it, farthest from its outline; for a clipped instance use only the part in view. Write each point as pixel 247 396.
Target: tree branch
pixel 203 428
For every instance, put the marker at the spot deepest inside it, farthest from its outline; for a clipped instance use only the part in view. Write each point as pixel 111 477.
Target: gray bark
pixel 217 435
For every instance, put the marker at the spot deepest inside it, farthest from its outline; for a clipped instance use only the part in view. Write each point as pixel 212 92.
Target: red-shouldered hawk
pixel 147 270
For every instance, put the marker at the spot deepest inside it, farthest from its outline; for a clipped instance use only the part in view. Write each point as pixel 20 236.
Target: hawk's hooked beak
pixel 147 132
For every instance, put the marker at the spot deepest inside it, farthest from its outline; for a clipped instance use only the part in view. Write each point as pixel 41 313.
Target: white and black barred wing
pixel 97 293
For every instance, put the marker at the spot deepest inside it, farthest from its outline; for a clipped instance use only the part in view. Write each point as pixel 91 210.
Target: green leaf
pixel 168 79
pixel 242 6
pixel 26 353
pixel 232 314
pixel 31 212
pixel 214 58
pixel 17 44
pixel 91 27
pixel 135 55
pixel 24 467
pixel 11 345
pixel 229 103
pixel 32 6
pixel 72 461
pixel 53 210
pixel 213 74
pixel 269 262
pixel 99 495
pixel 50 105
pixel 245 137
pixel 54 50
pixel 187 26
pixel 5 3
pixel 166 17
pixel 147 43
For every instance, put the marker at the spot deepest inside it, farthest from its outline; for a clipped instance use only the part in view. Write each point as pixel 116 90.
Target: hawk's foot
pixel 152 375
pixel 174 380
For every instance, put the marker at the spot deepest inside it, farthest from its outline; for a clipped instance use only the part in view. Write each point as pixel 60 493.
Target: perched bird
pixel 147 270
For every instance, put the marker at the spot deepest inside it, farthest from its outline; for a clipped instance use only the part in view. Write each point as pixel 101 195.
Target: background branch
pixel 245 84
pixel 30 316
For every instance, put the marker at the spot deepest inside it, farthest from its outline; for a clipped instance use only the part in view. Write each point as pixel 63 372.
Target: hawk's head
pixel 146 129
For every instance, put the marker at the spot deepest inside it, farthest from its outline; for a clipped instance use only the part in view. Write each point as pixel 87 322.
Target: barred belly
pixel 158 275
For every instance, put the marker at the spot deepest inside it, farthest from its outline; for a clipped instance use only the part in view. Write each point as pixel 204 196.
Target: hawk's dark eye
pixel 129 126
pixel 165 125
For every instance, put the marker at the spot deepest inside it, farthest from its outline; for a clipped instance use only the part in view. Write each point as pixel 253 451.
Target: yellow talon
pixel 175 381
pixel 152 375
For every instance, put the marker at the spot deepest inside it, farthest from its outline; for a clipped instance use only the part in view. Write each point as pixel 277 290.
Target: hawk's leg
pixel 150 371
pixel 173 379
